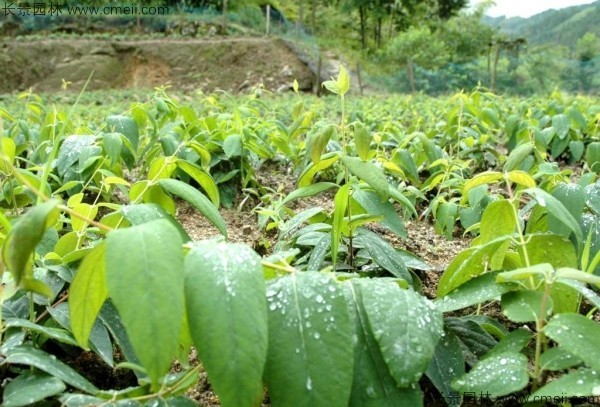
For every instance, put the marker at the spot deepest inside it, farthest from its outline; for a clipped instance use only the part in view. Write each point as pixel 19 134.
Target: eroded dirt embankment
pixel 232 64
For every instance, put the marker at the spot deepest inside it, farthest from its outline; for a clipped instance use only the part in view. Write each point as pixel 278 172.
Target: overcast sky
pixel 527 8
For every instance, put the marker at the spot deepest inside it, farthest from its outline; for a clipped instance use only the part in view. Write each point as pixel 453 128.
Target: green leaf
pixel 57 334
pixel 592 156
pixel 582 383
pixel 112 321
pixel 372 203
pixel 384 254
pixel 525 306
pixel 373 386
pixel 307 191
pixel 30 356
pixel 343 81
pixel 592 197
pixel 70 151
pixel 202 178
pixel 498 220
pixel 232 146
pixel 8 150
pixel 558 359
pixel 369 173
pixel 197 200
pixel 398 197
pixel 561 124
pixel 113 145
pixel 476 291
pixel 496 375
pixel 310 356
pixel 31 387
pixel 145 282
pixel 327 160
pixel 362 141
pixel 227 315
pixel 556 209
pixel 448 363
pixel 572 196
pixel 126 126
pixel 469 264
pixel 318 143
pixel 517 156
pixel 475 341
pixel 99 338
pixel 514 341
pixel 87 293
pixel 406 326
pixel 580 287
pixel 480 179
pixel 143 213
pixel 577 335
pixel 340 203
pixel 20 244
pixel 521 178
pixel 576 148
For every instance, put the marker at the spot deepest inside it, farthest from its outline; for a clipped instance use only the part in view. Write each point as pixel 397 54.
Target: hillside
pixel 562 26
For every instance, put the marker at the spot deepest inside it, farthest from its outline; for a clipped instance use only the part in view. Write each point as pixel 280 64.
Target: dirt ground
pixel 183 64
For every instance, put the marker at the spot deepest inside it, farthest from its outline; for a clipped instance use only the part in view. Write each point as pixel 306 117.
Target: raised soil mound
pixel 230 64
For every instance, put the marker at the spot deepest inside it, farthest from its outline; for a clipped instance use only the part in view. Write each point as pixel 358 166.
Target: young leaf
pixel 227 315
pixel 145 282
pixel 197 199
pixel 406 326
pixel 87 293
pixel 578 335
pixel 327 160
pixel 480 179
pixel 339 210
pixel 23 238
pixel 496 375
pixel 373 386
pixel 319 142
pixel 362 141
pixel 310 357
pixel 343 81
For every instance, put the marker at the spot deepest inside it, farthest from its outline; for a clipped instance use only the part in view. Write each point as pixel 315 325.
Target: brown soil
pixel 230 64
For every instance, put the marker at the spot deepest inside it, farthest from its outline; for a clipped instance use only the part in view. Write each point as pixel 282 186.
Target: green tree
pixel 586 49
pixel 417 47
